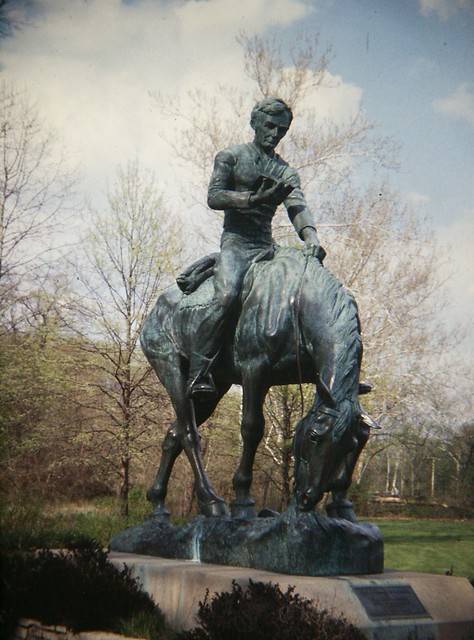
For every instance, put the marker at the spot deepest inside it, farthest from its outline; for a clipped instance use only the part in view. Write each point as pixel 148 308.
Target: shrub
pixel 79 589
pixel 263 612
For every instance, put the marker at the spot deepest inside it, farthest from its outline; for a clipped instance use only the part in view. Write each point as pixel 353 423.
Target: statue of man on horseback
pixel 248 183
pixel 258 323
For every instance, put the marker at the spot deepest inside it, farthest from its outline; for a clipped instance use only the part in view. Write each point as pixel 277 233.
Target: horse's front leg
pixel 252 428
pixel 341 507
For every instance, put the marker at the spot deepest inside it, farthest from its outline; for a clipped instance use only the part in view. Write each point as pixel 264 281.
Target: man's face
pixel 270 129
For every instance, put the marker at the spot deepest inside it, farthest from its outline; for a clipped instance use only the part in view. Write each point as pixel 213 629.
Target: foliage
pixel 264 612
pixel 25 527
pixel 359 496
pixel 79 589
pixel 273 469
pixel 44 449
pixel 37 524
pixel 145 624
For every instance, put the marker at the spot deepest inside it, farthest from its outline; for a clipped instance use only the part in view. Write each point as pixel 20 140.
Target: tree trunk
pixel 125 488
pixel 433 477
pixel 387 474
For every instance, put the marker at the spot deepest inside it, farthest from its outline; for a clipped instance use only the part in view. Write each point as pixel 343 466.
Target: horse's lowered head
pixel 326 445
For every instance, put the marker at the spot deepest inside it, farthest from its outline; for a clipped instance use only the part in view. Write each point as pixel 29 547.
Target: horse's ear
pixel 324 392
pixel 368 420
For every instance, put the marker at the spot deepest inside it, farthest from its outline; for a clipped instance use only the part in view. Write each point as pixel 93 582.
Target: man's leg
pixel 207 343
pixel 229 273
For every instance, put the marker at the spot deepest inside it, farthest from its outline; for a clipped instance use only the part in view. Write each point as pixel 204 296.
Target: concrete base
pixel 177 586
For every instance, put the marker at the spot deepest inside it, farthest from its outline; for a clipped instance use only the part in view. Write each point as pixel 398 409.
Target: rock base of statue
pixel 294 543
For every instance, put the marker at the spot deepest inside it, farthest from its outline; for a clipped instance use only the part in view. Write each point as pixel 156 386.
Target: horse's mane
pixel 340 310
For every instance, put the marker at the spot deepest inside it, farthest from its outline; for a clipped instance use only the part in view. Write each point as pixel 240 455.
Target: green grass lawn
pixel 433 546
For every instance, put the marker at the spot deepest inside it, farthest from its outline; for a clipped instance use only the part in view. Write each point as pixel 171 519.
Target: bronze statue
pixel 249 181
pixel 260 322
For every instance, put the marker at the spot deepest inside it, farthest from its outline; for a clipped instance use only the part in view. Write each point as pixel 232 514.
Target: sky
pixel 92 66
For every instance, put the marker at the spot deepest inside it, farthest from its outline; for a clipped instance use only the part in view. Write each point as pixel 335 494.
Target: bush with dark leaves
pixel 79 589
pixel 264 612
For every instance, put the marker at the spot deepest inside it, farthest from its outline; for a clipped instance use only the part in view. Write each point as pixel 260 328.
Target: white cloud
pixel 418 198
pixel 459 105
pixel 335 99
pixel 459 238
pixel 92 65
pixel 445 9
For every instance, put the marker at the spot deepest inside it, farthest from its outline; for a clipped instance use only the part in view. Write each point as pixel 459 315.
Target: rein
pixel 297 331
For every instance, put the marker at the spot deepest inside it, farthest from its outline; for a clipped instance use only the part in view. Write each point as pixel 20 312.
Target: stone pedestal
pixel 394 605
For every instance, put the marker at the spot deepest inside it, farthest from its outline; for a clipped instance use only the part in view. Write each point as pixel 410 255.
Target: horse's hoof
pixel 159 514
pixel 343 510
pixel 243 511
pixel 243 508
pixel 215 509
pixel 155 496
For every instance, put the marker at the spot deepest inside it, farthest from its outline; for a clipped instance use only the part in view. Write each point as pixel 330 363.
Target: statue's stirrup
pixel 201 387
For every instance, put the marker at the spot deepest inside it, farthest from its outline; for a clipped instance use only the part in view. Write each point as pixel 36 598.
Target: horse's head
pixel 322 441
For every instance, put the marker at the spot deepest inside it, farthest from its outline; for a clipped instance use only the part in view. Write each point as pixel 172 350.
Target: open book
pixel 268 182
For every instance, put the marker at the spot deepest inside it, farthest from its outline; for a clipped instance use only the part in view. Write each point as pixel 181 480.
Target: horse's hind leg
pixel 210 503
pixel 184 435
pixel 156 494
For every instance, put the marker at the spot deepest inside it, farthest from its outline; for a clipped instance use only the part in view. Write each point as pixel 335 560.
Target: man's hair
pixel 271 106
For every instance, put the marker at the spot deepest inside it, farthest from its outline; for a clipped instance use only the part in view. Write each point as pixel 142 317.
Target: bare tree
pixel 130 255
pixel 35 185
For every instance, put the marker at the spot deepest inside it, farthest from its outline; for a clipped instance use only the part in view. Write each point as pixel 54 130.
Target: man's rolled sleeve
pixel 220 194
pixel 299 213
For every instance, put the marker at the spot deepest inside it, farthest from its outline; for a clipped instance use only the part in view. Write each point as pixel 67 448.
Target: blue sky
pixel 91 65
pixel 416 69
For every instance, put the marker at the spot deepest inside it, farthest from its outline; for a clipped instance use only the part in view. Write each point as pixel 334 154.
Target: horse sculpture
pixel 296 323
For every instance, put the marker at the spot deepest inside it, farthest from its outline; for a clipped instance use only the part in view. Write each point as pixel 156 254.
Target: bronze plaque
pixel 390 601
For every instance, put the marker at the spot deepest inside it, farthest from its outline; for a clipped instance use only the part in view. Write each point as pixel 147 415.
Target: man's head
pixel 270 119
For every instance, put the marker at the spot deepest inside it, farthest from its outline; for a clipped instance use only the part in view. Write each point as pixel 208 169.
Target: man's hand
pixel 315 250
pixel 311 244
pixel 270 192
